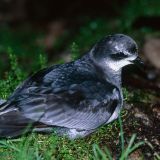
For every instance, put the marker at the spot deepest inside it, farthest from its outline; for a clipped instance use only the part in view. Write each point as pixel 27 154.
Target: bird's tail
pixel 12 122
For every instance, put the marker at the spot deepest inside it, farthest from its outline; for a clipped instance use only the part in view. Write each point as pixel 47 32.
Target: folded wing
pixel 82 106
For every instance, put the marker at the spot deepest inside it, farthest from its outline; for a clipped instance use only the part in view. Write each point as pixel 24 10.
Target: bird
pixel 72 99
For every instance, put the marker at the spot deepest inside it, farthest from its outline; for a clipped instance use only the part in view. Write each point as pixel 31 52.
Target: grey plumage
pixel 73 98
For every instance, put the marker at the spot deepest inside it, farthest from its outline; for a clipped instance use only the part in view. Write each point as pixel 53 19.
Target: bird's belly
pixel 72 133
pixel 114 115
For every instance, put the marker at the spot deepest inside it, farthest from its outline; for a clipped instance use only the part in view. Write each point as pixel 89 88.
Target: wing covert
pixel 82 106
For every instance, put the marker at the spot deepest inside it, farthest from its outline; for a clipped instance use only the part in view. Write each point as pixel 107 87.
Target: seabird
pixel 72 99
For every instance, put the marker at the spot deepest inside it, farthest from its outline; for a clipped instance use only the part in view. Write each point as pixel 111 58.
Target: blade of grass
pixel 37 155
pixel 127 151
pixel 108 153
pixel 98 152
pixel 121 132
pixel 137 145
pixel 9 146
pixel 157 156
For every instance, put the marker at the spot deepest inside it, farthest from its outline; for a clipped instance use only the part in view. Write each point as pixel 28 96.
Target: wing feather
pixel 69 95
pixel 77 109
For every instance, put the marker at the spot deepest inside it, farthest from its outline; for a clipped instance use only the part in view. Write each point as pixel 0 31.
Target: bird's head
pixel 115 51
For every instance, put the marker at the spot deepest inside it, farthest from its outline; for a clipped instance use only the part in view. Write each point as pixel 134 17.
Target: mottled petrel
pixel 74 98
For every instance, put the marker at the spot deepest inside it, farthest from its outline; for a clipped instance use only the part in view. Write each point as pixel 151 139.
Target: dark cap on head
pixel 115 51
pixel 113 44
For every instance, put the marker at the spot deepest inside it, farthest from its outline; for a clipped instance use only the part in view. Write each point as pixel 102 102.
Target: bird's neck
pixel 113 77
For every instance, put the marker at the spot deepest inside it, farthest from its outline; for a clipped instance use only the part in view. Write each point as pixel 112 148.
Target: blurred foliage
pixel 74 51
pixel 16 75
pixel 12 78
pixel 23 43
pixel 95 29
pixel 139 8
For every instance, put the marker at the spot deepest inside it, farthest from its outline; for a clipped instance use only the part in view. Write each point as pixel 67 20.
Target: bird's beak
pixel 138 61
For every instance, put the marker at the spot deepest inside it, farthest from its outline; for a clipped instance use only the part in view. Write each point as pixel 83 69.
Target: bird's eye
pixel 119 55
pixel 133 49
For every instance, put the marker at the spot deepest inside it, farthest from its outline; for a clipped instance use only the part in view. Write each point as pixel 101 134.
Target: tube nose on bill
pixel 138 61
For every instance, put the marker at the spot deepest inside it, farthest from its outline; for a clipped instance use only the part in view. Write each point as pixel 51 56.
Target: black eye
pixel 119 55
pixel 133 49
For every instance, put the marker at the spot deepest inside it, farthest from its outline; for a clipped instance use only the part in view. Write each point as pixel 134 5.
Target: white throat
pixel 118 65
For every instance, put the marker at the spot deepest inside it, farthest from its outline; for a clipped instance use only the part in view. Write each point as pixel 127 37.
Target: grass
pixel 125 151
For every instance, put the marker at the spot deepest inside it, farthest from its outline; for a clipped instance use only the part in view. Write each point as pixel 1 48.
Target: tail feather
pixel 13 123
